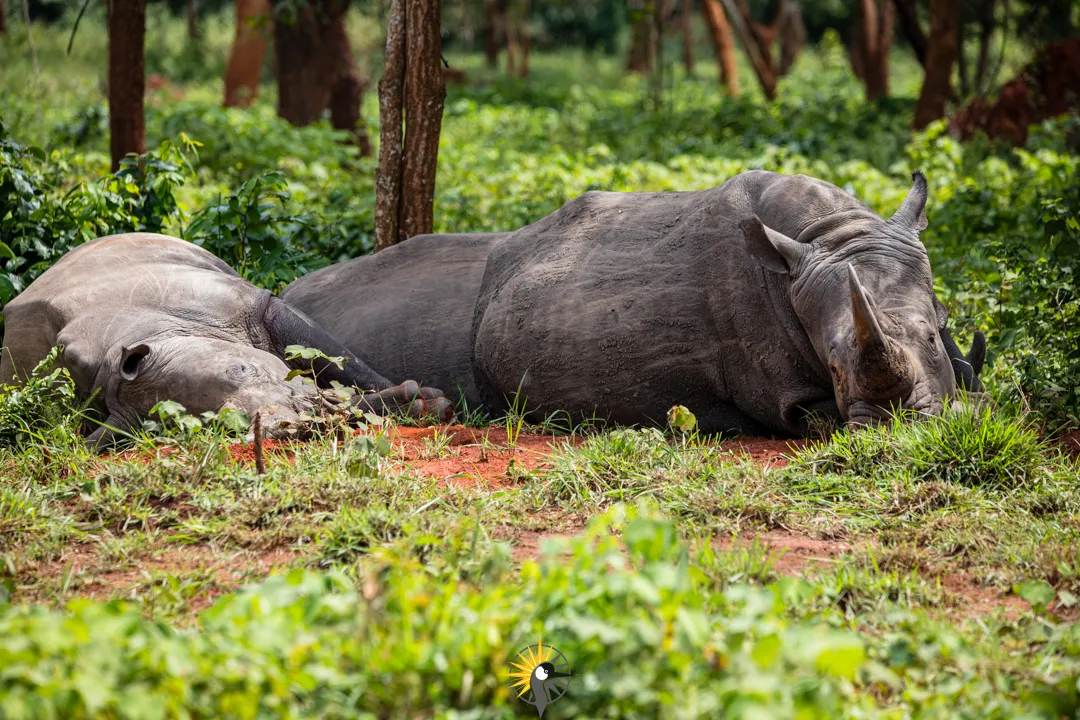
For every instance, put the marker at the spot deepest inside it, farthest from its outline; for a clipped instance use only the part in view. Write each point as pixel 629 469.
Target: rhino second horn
pixel 882 371
pixel 912 212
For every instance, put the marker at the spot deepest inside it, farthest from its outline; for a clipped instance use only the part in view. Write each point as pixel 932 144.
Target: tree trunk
pixel 304 69
pixel 758 40
pixel 245 66
pixel 940 55
pixel 526 39
pixel 687 23
pixel 723 44
pixel 494 10
pixel 193 19
pixel 642 40
pixel 425 94
pixel 986 31
pixel 875 32
pixel 412 84
pixel 3 18
pixel 348 86
pixel 127 78
pixel 388 182
pixel 912 30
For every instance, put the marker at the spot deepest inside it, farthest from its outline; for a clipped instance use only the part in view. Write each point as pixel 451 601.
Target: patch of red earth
pixel 225 569
pixel 466 457
pixel 1070 443
pixel 765 452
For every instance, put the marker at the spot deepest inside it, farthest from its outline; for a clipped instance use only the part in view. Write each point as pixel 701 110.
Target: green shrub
pixel 46 401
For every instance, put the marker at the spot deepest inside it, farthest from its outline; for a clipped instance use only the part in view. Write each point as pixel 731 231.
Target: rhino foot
pixel 409 397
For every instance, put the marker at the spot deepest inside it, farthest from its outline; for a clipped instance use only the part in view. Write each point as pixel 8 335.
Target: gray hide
pixel 146 317
pixel 409 307
pixel 754 304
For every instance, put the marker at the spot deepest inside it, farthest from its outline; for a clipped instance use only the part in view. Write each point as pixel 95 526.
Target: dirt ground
pixel 469 457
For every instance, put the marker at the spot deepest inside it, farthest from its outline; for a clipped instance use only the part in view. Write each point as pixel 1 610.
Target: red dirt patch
pixel 470 456
pixel 1070 443
pixel 768 453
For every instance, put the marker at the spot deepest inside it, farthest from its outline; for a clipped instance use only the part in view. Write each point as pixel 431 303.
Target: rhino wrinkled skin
pixel 756 304
pixel 144 317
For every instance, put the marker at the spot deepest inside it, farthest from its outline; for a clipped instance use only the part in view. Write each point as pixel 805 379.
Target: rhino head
pixel 863 291
pixel 202 374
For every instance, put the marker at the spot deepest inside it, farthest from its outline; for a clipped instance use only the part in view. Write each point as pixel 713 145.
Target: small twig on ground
pixel 260 463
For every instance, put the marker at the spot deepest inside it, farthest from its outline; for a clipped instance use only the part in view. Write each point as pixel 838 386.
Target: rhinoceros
pixel 145 317
pixel 623 304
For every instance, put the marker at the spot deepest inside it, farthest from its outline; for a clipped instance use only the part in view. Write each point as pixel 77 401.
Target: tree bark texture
pixel 875 33
pixel 907 14
pixel 723 44
pixel 425 94
pixel 388 182
pixel 940 56
pixel 127 78
pixel 244 70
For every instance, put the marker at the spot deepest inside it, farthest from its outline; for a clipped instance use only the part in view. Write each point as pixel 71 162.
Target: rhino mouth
pixel 868 414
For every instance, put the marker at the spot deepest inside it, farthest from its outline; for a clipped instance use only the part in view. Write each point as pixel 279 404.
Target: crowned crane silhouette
pixel 537 673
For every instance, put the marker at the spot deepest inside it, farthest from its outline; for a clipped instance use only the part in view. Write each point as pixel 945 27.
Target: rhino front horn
pixel 882 371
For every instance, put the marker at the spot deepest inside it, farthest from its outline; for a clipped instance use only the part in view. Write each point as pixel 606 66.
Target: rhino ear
pixel 131 360
pixel 774 250
pixel 912 212
pixel 942 314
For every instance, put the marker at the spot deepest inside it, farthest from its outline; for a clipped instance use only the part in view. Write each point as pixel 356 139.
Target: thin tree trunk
pixel 986 31
pixel 723 44
pixel 875 32
pixel 524 34
pixel 940 56
pixel 3 18
pixel 961 62
pixel 388 182
pixel 425 94
pixel 127 78
pixel 348 87
pixel 642 40
pixel 490 31
pixel 687 22
pixel 757 39
pixel 248 54
pixel 909 25
pixel 304 65
pixel 193 19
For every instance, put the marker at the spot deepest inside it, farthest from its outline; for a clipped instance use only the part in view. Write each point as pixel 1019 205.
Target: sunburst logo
pixel 541 676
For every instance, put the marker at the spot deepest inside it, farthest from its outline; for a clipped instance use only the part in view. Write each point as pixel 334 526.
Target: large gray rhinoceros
pixel 144 317
pixel 624 304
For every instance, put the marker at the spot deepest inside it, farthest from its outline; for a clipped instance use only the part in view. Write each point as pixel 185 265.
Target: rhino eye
pixel 240 372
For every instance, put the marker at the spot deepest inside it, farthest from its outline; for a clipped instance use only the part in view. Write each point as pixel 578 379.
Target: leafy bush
pixel 45 401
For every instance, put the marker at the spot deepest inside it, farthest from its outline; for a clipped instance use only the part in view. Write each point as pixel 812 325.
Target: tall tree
pixel 686 22
pixel 492 29
pixel 127 78
pixel 908 15
pixel 411 94
pixel 723 44
pixel 517 37
pixel 347 88
pixel 874 34
pixel 758 39
pixel 248 52
pixel 942 48
pixel 643 40
pixel 3 18
pixel 193 19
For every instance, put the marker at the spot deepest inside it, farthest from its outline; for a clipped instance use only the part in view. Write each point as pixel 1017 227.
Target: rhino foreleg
pixel 288 326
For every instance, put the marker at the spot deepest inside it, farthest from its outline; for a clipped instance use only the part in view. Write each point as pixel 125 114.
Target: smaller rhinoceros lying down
pixel 144 318
pixel 624 304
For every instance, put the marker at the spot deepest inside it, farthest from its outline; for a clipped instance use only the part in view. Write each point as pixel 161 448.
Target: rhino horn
pixel 912 212
pixel 882 370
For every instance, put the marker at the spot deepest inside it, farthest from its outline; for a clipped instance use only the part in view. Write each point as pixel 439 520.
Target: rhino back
pixel 407 310
pixel 624 304
pixel 123 289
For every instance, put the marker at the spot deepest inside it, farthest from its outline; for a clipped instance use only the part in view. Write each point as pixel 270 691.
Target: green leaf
pixel 681 419
pixel 1035 593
